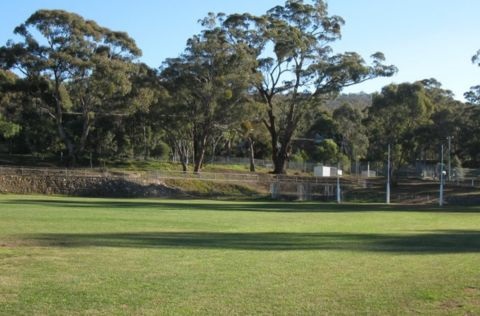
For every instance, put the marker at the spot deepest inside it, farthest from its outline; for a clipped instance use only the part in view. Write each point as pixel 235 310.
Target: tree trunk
pixel 281 151
pixel 71 159
pixel 274 139
pixel 181 149
pixel 252 154
pixel 183 152
pixel 184 166
pixel 145 147
pixel 199 143
pixel 280 162
pixel 199 160
pixel 229 149
pixel 215 142
pixel 280 145
pixel 59 121
pixel 85 132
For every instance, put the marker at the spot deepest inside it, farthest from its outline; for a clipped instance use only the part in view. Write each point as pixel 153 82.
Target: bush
pixel 161 151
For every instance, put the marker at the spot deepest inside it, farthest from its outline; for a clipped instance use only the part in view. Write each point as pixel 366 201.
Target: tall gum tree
pixel 292 46
pixel 394 118
pixel 473 96
pixel 8 98
pixel 82 68
pixel 208 85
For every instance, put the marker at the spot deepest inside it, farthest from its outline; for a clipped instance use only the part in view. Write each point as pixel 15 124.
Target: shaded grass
pixel 257 206
pixel 426 243
pixel 65 256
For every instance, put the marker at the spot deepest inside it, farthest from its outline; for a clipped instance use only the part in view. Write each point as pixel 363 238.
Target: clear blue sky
pixel 423 38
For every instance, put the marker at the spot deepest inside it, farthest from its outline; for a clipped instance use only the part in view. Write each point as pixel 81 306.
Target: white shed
pixel 322 171
pixel 326 171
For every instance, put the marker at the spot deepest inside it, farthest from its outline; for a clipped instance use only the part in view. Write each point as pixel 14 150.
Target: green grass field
pixel 70 256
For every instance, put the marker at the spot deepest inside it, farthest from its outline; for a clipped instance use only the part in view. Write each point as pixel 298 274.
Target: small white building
pixel 321 171
pixel 326 171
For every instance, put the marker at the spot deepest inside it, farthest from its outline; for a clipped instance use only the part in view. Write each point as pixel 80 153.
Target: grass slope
pixel 67 256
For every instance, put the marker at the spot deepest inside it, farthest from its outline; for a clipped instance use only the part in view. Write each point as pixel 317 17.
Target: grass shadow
pixel 240 206
pixel 437 242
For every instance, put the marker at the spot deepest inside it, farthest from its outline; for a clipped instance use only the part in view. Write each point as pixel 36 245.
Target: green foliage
pixel 244 85
pixel 299 156
pixel 344 162
pixel 161 151
pixel 327 152
pixel 8 129
pixel 396 114
pixel 108 147
pixel 473 96
pixel 207 88
pixel 303 68
pixel 83 68
pixel 352 132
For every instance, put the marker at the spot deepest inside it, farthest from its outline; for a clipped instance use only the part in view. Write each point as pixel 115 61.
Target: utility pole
pixel 388 176
pixel 440 201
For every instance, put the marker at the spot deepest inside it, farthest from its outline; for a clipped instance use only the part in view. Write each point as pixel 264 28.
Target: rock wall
pixel 83 186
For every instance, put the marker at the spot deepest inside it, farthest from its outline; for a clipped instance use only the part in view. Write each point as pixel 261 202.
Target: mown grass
pixel 155 165
pixel 217 189
pixel 67 256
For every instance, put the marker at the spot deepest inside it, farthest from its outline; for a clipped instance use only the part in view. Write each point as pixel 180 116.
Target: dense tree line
pixel 263 86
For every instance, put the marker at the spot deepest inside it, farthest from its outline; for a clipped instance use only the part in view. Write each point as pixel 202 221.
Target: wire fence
pixel 277 186
pixel 470 177
pixel 159 174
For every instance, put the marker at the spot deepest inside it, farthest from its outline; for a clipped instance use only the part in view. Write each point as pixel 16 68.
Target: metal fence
pixel 469 177
pixel 278 186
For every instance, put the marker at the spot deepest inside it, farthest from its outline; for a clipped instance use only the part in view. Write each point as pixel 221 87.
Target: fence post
pixel 274 190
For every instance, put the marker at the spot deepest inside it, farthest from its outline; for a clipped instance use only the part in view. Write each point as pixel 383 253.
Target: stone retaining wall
pixel 83 186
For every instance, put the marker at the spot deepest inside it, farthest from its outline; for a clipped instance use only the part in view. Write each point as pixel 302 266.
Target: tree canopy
pixel 267 85
pixel 73 66
pixel 298 66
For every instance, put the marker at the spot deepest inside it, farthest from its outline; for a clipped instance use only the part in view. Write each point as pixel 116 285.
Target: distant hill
pixel 356 100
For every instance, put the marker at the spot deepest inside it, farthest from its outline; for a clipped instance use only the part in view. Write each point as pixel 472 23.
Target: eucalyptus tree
pixel 252 132
pixel 473 96
pixel 395 117
pixel 83 69
pixel 29 128
pixel 208 86
pixel 471 128
pixel 298 67
pixel 352 132
pixel 8 98
pixel 171 116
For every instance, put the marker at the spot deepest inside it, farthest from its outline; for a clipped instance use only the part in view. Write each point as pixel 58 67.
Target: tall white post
pixel 449 158
pixel 339 198
pixel 440 200
pixel 388 176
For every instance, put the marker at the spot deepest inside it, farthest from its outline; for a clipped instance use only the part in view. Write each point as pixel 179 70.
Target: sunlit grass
pixel 69 256
pixel 156 165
